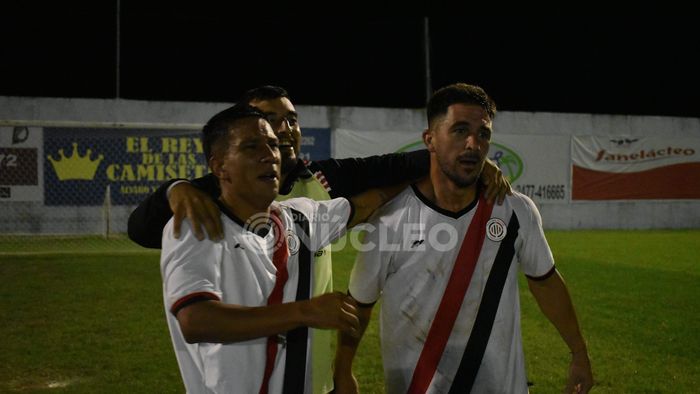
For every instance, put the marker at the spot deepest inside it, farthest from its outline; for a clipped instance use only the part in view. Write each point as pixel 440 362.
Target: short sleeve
pixel 535 256
pixel 369 272
pixel 190 268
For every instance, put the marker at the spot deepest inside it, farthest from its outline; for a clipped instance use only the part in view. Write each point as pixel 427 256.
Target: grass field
pixel 93 322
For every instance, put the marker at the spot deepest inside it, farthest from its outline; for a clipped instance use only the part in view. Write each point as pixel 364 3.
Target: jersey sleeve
pixel 534 255
pixel 348 177
pixel 327 219
pixel 191 269
pixel 146 222
pixel 370 271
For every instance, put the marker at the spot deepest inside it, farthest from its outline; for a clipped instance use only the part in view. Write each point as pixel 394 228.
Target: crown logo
pixel 75 166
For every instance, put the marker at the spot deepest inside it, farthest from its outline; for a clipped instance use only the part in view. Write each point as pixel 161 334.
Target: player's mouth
pixel 269 176
pixel 469 160
pixel 284 144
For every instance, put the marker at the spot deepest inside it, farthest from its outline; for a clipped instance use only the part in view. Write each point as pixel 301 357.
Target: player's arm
pixel 345 381
pixel 349 177
pixel 194 200
pixel 553 299
pixel 215 322
pixel 366 203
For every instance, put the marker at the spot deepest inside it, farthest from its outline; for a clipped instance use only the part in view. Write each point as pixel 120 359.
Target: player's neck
pixel 444 193
pixel 246 210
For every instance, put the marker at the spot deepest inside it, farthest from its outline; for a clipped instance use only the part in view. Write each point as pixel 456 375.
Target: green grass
pixel 94 322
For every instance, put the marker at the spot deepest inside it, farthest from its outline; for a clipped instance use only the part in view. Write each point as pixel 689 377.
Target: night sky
pixel 636 64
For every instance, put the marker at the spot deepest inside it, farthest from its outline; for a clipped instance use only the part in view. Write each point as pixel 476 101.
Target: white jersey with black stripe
pixel 407 259
pixel 239 270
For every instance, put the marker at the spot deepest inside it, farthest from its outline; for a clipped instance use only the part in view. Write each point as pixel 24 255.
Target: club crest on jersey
pixel 293 242
pixel 496 229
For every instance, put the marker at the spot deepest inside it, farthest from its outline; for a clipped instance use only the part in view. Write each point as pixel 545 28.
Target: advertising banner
pixel 80 162
pixel 315 144
pixel 537 165
pixel 635 168
pixel 20 173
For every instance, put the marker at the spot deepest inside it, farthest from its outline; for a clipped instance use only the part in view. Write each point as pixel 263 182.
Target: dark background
pixel 631 64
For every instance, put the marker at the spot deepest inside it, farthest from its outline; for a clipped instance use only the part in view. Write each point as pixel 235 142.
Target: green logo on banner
pixel 507 160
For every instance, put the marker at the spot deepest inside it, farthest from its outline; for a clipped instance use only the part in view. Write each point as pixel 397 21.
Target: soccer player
pixel 444 262
pixel 238 309
pixel 318 180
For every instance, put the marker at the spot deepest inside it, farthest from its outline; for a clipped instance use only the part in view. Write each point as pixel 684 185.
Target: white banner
pixel 538 165
pixel 21 175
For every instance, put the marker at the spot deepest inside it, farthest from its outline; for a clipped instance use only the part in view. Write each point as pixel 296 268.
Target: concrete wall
pixel 577 215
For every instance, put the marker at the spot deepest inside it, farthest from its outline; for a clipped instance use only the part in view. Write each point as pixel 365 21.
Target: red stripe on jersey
pixel 322 179
pixel 183 300
pixel 279 259
pixel 452 299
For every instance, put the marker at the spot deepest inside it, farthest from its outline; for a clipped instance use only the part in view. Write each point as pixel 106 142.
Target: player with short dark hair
pixel 319 180
pixel 445 265
pixel 239 309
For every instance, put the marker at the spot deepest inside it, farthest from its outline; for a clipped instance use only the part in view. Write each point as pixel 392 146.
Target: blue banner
pixel 79 163
pixel 315 144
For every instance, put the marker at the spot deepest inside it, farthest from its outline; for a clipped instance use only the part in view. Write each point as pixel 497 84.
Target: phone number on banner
pixel 543 192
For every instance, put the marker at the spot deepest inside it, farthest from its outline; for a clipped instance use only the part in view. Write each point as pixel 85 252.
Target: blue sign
pixel 315 144
pixel 79 163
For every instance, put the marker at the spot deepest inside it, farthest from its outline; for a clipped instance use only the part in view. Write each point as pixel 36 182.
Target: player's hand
pixel 580 374
pixel 187 201
pixel 333 310
pixel 497 186
pixel 345 384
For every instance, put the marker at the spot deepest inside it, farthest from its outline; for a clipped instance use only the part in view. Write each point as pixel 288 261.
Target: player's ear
pixel 428 140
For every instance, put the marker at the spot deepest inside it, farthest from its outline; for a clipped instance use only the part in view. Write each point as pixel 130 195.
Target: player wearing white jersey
pixel 241 270
pixel 444 262
pixel 417 244
pixel 239 309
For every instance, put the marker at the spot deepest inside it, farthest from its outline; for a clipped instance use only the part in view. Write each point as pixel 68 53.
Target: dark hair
pixel 459 93
pixel 266 92
pixel 220 124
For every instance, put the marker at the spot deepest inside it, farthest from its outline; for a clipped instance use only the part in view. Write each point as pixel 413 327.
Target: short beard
pixel 460 181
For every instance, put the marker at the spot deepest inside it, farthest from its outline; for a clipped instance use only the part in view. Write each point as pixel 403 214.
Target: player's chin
pixel 289 161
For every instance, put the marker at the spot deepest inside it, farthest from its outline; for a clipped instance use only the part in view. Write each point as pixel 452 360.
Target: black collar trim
pixel 434 207
pixel 263 230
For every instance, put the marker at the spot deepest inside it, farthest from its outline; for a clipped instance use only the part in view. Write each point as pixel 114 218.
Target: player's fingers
pixel 177 223
pixel 213 223
pixel 351 323
pixel 491 192
pixel 195 222
pixel 503 191
pixel 350 308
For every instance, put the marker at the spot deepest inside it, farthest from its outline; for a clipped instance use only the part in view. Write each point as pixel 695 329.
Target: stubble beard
pixel 461 181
